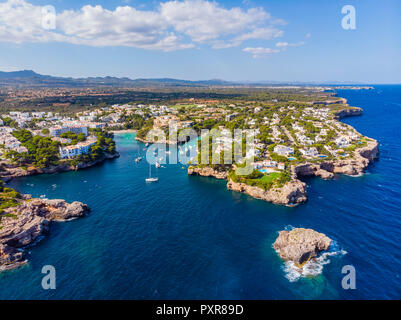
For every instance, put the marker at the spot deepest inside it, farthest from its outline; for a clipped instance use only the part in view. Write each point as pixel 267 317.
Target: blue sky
pixel 279 40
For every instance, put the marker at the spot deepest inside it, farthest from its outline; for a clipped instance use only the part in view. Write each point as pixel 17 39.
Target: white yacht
pixel 150 179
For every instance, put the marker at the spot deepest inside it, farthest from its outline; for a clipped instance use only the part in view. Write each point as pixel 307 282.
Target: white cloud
pixel 203 20
pixel 173 25
pixel 286 44
pixel 260 52
pixel 261 33
pixel 22 22
pixel 125 26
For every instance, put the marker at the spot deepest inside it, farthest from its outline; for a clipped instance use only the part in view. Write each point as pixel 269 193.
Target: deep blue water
pixel 189 238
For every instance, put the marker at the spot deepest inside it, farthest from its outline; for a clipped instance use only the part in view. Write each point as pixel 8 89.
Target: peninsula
pixel 23 220
pixel 293 140
pixel 296 133
pixel 40 142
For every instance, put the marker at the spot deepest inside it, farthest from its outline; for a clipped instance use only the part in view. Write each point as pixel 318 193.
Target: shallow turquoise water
pixel 189 238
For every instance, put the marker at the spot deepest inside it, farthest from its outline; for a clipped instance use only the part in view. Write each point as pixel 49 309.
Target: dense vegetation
pixel 8 198
pixel 260 180
pixel 105 144
pixel 42 151
pixel 75 138
pixel 73 100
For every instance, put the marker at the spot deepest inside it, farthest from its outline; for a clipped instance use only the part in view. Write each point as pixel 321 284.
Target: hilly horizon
pixel 30 78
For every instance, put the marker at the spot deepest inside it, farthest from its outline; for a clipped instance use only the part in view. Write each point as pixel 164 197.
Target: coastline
pixel 10 171
pixel 294 192
pixel 28 222
pixel 168 142
pixel 123 131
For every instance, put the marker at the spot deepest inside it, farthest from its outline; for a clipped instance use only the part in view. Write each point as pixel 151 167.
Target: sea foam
pixel 314 266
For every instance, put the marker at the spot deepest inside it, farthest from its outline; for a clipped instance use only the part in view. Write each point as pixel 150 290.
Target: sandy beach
pixel 124 131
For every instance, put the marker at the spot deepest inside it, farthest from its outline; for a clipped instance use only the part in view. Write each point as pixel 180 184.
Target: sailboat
pixel 150 179
pixel 138 158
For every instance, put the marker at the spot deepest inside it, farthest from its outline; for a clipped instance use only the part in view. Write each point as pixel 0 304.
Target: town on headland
pixel 297 132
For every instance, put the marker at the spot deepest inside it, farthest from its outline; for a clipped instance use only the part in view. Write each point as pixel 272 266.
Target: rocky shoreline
pixel 25 224
pixel 10 171
pixel 294 192
pixel 355 166
pixel 207 172
pixel 168 142
pixel 291 194
pixel 300 245
pixel 349 112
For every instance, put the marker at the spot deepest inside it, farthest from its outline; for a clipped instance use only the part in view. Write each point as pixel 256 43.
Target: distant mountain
pixel 29 78
pixel 19 74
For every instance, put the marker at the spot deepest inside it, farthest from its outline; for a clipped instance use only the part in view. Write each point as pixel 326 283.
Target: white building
pixel 87 118
pixel 77 129
pixel 76 150
pixel 310 152
pixel 342 142
pixel 283 150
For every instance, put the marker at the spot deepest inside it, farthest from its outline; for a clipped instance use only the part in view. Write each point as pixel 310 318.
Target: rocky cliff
pixel 168 142
pixel 292 193
pixel 10 171
pixel 349 112
pixel 353 166
pixel 208 172
pixel 23 225
pixel 299 245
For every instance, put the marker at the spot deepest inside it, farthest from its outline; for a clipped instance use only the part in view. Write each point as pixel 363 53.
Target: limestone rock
pixel 10 171
pixel 24 224
pixel 299 245
pixel 292 193
pixel 208 172
pixel 349 112
pixel 352 167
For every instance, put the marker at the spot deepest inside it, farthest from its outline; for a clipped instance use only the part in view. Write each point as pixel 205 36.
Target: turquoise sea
pixel 189 238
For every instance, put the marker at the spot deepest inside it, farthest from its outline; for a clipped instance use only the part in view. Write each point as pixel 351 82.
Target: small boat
pixel 147 144
pixel 138 159
pixel 150 179
pixel 157 165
